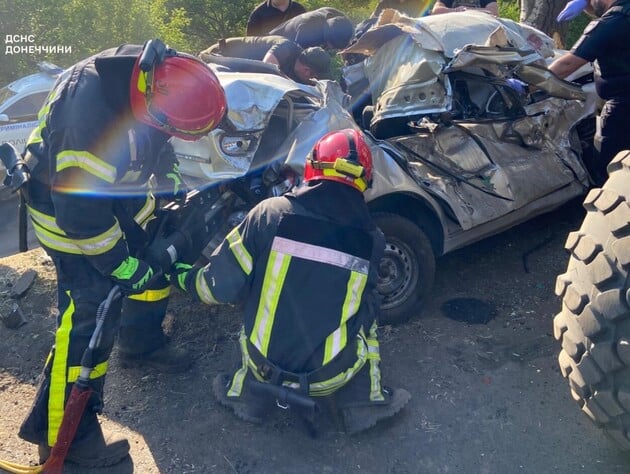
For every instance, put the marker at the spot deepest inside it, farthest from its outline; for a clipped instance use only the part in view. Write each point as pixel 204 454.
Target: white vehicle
pixel 20 102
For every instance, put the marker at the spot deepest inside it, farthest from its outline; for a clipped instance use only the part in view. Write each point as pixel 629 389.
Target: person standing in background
pixel 604 42
pixel 269 14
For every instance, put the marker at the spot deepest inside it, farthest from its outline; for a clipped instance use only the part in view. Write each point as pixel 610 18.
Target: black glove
pixel 183 244
pixel 133 276
pixel 178 274
pixel 164 251
pixel 170 183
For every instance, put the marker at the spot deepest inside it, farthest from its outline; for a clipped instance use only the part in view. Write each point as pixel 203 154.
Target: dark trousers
pixel 613 135
pixel 80 290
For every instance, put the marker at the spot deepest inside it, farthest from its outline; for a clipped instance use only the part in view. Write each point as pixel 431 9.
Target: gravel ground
pixel 479 360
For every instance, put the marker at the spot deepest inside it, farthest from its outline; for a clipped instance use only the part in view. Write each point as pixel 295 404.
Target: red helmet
pixel 341 156
pixel 179 95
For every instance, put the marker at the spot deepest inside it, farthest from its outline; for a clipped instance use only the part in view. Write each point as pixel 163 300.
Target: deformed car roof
pixel 447 33
pixel 407 59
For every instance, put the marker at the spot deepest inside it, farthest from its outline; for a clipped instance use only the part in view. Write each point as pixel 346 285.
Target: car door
pixel 497 150
pixel 18 117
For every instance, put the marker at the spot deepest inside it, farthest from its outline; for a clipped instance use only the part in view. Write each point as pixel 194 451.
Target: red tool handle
pixel 72 414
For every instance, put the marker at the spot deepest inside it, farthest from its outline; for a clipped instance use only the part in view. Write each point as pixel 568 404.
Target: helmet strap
pixel 353 155
pixel 340 165
pixel 153 53
pixel 347 167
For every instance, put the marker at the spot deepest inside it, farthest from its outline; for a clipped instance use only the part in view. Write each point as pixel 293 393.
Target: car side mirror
pixel 4 118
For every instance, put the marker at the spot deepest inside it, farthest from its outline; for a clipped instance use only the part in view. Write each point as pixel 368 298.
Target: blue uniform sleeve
pixel 596 38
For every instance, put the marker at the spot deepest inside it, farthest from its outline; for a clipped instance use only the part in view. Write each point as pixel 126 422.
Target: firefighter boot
pixel 360 417
pixel 97 448
pixel 358 412
pixel 243 406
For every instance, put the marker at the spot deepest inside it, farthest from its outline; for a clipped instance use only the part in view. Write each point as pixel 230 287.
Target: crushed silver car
pixel 470 132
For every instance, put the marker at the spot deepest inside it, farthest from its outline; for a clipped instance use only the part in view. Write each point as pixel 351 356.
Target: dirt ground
pixel 479 360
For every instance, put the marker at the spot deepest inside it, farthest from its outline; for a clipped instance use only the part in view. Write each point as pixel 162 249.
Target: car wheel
pixel 594 323
pixel 407 269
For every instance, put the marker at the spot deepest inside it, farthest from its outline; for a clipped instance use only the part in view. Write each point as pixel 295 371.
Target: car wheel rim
pixel 397 273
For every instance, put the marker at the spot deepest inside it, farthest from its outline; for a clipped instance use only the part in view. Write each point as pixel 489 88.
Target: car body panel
pixel 476 171
pixel 449 32
pixel 254 100
pixel 16 133
pixel 482 179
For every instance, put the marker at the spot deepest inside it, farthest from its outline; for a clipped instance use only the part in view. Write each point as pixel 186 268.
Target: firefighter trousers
pixel 80 290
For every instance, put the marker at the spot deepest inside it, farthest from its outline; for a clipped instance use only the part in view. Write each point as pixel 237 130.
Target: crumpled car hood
pixel 252 99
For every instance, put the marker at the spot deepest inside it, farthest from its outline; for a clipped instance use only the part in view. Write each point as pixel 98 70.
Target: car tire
pixel 593 325
pixel 407 269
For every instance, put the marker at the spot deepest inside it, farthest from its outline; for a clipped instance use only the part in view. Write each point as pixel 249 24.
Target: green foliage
pixel 84 27
pixel 211 20
pixel 171 25
pixel 89 26
pixel 96 25
pixel 509 9
pixel 12 22
pixel 576 27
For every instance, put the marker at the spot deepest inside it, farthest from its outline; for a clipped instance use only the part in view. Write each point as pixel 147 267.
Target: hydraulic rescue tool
pixel 17 175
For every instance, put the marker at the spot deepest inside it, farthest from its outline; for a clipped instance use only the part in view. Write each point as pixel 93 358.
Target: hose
pixel 20 468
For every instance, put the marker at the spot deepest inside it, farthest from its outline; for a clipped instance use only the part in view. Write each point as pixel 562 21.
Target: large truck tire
pixel 594 323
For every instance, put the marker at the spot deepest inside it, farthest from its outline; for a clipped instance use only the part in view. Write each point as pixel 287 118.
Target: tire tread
pixel 593 325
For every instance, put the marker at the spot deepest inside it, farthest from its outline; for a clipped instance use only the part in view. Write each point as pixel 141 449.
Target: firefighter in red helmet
pixel 98 158
pixel 305 267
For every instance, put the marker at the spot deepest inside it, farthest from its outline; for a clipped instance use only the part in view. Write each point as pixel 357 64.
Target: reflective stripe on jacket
pixel 93 162
pixel 306 268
